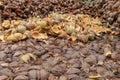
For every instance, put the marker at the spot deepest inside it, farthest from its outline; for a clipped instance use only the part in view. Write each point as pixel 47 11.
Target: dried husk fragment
pixel 38 35
pixel 21 28
pixel 27 57
pixel 11 38
pixel 6 24
pixel 15 37
pixel 54 30
pixel 19 36
pixel 30 25
pixel 2 37
pixel 11 31
pixel 28 33
pixel 83 27
pixel 42 24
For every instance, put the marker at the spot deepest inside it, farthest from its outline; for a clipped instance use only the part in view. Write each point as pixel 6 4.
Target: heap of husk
pixel 75 27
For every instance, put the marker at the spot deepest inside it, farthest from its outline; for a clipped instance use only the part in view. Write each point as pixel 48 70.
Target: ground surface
pixel 58 58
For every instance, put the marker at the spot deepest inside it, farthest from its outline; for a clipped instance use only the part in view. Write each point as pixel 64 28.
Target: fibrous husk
pixel 104 9
pixel 80 26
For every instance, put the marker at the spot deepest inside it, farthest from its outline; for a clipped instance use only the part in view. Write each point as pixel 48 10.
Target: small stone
pixel 21 77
